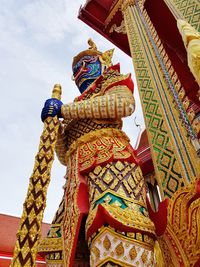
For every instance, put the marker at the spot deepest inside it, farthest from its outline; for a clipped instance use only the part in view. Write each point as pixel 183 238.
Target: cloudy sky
pixel 37 42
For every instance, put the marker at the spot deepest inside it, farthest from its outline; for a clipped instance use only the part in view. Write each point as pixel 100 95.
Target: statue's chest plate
pixel 78 128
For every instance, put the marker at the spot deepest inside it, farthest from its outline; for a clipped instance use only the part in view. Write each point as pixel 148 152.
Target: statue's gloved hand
pixel 52 107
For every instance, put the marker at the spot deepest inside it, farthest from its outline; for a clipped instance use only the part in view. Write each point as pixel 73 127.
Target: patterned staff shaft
pixel 29 231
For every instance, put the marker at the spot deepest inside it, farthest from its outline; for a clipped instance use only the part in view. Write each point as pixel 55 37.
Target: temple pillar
pixel 187 10
pixel 172 139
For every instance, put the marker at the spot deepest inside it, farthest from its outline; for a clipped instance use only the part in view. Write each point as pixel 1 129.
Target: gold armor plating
pixel 125 181
pixel 87 138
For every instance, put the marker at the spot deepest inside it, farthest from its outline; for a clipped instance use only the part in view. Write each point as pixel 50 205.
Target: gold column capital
pixel 126 4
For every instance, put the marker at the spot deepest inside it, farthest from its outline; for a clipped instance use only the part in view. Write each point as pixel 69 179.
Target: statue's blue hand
pixel 52 107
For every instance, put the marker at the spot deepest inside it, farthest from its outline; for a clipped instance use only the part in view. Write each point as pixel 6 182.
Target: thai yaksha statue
pixel 104 200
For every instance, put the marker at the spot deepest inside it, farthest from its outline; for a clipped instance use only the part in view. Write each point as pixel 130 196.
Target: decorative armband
pixel 109 106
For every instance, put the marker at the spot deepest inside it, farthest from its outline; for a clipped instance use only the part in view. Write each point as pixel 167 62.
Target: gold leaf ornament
pixel 119 249
pixel 106 243
pixel 133 253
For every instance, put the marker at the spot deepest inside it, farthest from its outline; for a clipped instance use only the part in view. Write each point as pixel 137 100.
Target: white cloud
pixel 44 19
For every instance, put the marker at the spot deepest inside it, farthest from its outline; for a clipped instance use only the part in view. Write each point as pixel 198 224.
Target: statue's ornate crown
pixel 105 57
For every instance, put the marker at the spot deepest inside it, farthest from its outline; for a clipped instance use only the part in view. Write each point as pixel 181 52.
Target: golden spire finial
pixel 107 57
pixel 92 45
